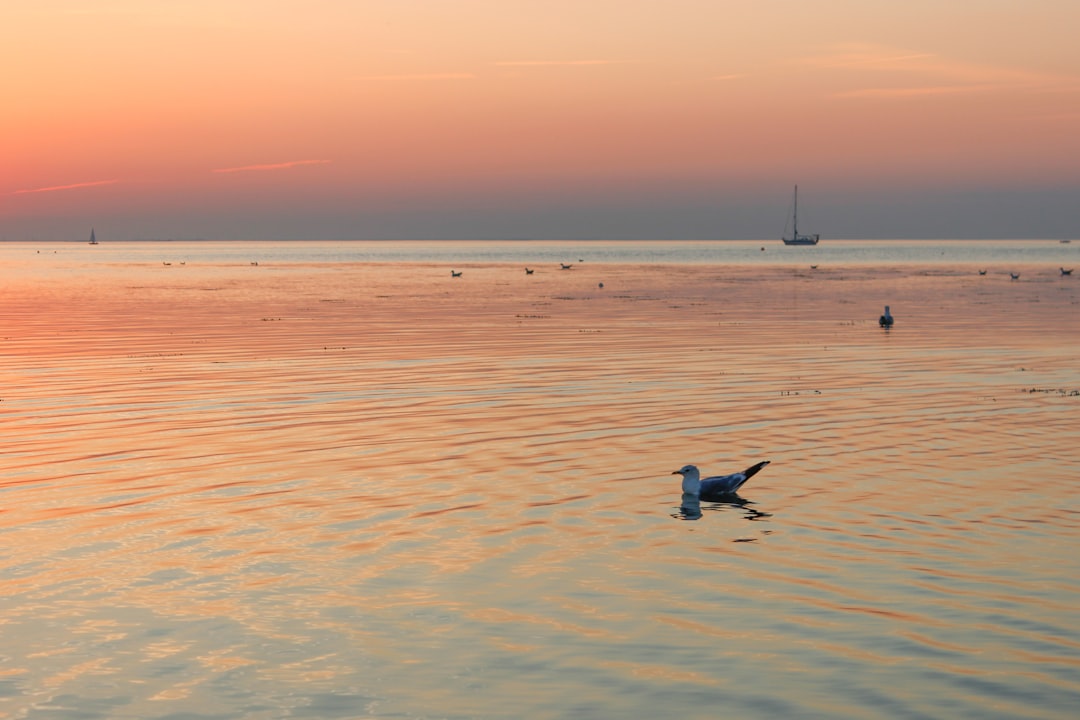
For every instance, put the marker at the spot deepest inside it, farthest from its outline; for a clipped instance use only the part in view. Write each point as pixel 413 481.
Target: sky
pixel 553 119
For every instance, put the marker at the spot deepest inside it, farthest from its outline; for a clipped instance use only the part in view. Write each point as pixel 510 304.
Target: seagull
pixel 455 273
pixel 692 484
pixel 982 272
pixel 528 271
pixel 1065 272
pixel 886 320
pixel 564 266
pixel 1014 276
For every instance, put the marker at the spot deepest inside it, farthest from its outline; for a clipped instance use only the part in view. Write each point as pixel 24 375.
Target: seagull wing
pixel 723 484
pixel 729 484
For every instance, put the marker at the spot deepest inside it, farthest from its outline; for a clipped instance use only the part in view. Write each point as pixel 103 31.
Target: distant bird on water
pixel 455 273
pixel 564 266
pixel 528 271
pixel 1014 276
pixel 718 486
pixel 886 320
pixel 982 272
pixel 1065 272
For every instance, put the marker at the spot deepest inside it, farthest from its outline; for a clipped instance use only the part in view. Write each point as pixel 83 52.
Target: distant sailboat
pixel 796 238
pixel 93 238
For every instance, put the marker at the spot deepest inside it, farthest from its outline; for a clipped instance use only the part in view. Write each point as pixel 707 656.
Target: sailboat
pixel 93 238
pixel 796 238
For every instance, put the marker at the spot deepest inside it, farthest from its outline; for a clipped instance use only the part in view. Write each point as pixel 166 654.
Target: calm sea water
pixel 341 483
pixel 935 252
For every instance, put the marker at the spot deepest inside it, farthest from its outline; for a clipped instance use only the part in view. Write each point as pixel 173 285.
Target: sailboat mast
pixel 795 217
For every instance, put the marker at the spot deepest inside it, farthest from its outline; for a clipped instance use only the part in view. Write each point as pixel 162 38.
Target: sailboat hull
pixel 796 238
pixel 802 240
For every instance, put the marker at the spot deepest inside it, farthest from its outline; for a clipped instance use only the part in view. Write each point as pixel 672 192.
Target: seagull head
pixel 691 479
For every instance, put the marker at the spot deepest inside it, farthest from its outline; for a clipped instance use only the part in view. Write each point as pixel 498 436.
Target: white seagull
pixel 715 486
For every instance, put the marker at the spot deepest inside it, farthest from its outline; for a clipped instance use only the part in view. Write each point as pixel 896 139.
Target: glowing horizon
pixel 528 119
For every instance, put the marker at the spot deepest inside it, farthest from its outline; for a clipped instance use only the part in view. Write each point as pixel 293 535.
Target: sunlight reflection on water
pixel 350 490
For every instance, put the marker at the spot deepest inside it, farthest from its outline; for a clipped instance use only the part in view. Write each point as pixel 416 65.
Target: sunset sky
pixel 273 119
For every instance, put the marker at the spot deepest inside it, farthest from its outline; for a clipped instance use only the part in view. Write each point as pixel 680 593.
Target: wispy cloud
pixel 896 74
pixel 895 93
pixel 73 186
pixel 422 76
pixel 553 63
pixel 868 57
pixel 271 166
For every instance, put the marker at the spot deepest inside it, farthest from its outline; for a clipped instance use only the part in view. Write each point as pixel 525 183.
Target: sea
pixel 419 479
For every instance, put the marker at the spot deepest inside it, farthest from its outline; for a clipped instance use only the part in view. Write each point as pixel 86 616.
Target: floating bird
pixel 813 267
pixel 1014 276
pixel 528 271
pixel 254 262
pixel 886 320
pixel 564 266
pixel 1065 272
pixel 166 263
pixel 456 273
pixel 982 272
pixel 718 486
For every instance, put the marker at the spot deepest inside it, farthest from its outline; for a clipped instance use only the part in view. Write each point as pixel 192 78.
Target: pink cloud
pixel 551 63
pixel 73 186
pixel 271 166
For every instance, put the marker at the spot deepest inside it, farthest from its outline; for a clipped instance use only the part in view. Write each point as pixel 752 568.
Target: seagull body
pixel 455 273
pixel 692 483
pixel 886 320
pixel 1014 276
pixel 1064 271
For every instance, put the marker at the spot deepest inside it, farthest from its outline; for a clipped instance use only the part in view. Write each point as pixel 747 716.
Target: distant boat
pixel 796 238
pixel 93 238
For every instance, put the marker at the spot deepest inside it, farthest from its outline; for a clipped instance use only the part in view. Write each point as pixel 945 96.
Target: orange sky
pixel 521 118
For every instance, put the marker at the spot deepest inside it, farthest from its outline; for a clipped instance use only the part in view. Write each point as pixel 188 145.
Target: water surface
pixel 342 484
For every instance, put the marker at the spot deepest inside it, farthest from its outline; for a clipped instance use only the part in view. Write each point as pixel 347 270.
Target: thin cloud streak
pixel 931 74
pixel 907 61
pixel 271 166
pixel 553 63
pixel 422 76
pixel 73 186
pixel 912 92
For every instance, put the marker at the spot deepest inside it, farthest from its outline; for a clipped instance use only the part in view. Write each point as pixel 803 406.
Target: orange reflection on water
pixel 387 460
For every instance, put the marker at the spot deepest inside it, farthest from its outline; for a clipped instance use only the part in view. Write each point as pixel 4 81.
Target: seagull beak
pixel 677 472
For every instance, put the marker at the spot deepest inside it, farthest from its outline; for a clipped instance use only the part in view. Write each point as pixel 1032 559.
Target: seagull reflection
pixel 690 507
